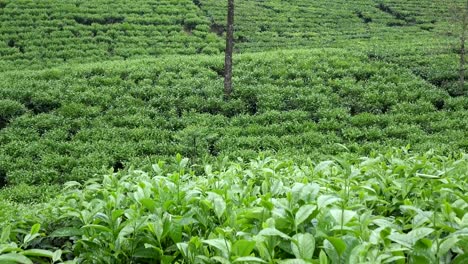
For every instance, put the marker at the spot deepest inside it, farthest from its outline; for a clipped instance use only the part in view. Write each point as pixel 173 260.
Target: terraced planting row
pixel 39 34
pixel 36 34
pixel 288 24
pixel 71 122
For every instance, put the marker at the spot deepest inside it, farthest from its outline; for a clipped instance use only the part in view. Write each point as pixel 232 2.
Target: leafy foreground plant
pixel 393 208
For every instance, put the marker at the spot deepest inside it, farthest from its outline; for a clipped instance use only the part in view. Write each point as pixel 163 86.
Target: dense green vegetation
pixel 288 24
pixel 344 140
pixel 35 34
pixel 67 123
pixel 382 209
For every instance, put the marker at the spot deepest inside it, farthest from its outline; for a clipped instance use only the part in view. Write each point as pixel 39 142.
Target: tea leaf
pixel 303 246
pixel 342 217
pixel 243 248
pixel 38 253
pixel 222 244
pixel 67 232
pixel 15 258
pixel 249 260
pixel 303 213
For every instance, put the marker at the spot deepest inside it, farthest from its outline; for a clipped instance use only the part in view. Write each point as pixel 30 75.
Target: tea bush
pixel 112 115
pixel 388 208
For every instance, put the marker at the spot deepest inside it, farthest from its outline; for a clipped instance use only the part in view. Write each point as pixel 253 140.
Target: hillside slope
pixel 66 123
pixel 39 34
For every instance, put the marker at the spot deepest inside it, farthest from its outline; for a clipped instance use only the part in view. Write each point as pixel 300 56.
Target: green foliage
pixel 9 109
pixel 395 207
pixel 288 103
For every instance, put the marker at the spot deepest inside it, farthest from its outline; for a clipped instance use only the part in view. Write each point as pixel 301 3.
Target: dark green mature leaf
pixel 15 257
pixel 98 228
pixel 222 244
pixel 67 232
pixel 408 240
pixel 461 259
pixel 338 244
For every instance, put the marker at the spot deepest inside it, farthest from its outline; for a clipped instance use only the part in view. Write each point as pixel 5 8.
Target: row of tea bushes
pixel 70 122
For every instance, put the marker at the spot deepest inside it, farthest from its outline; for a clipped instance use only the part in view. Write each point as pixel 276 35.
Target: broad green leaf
pixel 218 259
pixel 447 244
pixel 35 229
pixel 10 247
pixel 16 258
pixel 38 253
pixel 325 200
pixel 419 233
pixel 394 259
pixel 67 232
pixel 184 249
pixel 418 258
pixel 342 217
pixel 273 232
pixel 351 243
pixel 57 255
pixel 322 166
pixel 408 240
pixel 323 259
pixel 175 232
pixel 338 244
pixel 243 248
pixel 303 213
pixel 332 253
pixel 249 260
pixel 219 206
pixel 148 253
pixel 357 254
pixel 116 214
pixel 292 261
pixel 5 237
pixel 401 239
pixel 98 227
pixel 183 163
pixel 223 245
pixel 303 246
pixel 218 203
pixel 165 259
pixel 149 204
pixel 156 228
pixel 461 259
pixel 28 238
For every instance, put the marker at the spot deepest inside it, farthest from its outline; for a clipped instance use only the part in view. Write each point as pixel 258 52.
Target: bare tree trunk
pixel 229 49
pixel 462 49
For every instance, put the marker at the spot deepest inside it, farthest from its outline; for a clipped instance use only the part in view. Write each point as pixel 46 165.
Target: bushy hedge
pixel 72 122
pixel 389 208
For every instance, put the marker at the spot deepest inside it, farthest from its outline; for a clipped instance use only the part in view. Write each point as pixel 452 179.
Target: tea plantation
pixel 344 140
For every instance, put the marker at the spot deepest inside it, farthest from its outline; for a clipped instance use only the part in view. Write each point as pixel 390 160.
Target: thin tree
pixel 229 50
